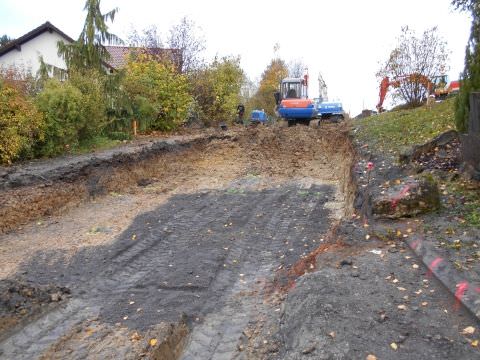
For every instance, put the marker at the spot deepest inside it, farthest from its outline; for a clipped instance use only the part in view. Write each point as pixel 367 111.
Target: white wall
pixel 26 59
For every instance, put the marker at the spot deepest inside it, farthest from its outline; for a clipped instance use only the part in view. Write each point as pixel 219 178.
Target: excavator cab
pixel 293 88
pixel 292 101
pixel 440 89
pixel 440 81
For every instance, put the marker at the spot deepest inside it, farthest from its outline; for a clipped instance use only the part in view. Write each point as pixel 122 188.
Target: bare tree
pixel 465 5
pixel 187 38
pixel 146 38
pixel 296 68
pixel 414 64
pixel 248 89
pixel 149 42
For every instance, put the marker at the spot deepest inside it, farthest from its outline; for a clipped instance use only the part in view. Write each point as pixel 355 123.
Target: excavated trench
pixel 50 187
pixel 166 252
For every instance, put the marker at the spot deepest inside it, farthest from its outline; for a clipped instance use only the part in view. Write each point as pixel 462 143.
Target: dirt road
pixel 203 259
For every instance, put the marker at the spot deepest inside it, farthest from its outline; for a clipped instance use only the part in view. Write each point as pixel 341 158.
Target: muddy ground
pixel 227 247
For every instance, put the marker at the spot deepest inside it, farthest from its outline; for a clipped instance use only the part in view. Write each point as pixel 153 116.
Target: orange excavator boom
pixel 386 83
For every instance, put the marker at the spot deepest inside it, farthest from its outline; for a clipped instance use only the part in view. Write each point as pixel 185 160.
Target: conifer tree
pixel 471 74
pixel 89 52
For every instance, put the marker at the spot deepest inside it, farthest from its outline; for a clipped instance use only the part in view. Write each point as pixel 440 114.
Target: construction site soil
pixel 224 245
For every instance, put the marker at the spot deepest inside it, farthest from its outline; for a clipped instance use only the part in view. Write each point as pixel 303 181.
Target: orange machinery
pixel 439 86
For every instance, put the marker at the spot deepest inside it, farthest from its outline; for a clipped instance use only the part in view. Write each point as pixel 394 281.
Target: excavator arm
pixel 412 78
pixel 384 85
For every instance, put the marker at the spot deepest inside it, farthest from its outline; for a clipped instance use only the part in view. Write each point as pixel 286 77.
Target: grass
pixel 468 200
pixel 233 191
pixel 95 144
pixel 394 130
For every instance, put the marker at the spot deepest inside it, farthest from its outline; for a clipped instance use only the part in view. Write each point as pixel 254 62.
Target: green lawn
pixel 391 131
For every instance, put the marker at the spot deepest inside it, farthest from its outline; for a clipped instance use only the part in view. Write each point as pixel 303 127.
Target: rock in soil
pixel 409 198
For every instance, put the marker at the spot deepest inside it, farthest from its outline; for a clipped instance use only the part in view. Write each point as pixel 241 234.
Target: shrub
pixel 91 84
pixel 21 125
pixel 119 135
pixel 158 95
pixel 75 111
pixel 20 79
pixel 216 89
pixel 62 105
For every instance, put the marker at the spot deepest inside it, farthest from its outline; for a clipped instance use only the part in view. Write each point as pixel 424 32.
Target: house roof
pixel 119 54
pixel 17 43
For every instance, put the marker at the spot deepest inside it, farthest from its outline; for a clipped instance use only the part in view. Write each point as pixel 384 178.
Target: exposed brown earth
pixel 78 214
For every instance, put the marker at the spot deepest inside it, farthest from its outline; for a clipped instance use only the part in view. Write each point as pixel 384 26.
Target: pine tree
pixel 89 52
pixel 471 74
pixel 4 40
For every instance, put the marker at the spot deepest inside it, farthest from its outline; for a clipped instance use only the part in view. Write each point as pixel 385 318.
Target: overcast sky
pixel 345 40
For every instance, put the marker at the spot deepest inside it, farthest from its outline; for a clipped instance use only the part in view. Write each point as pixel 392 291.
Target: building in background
pixel 24 54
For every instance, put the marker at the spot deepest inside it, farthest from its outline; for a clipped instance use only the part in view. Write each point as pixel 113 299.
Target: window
pixel 291 90
pixel 59 74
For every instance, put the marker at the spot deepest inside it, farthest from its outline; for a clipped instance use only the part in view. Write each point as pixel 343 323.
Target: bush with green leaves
pixel 74 111
pixel 216 89
pixel 61 104
pixel 158 96
pixel 91 84
pixel 21 125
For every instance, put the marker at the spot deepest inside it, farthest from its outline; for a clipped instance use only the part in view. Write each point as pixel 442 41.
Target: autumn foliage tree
pixel 216 89
pixel 471 74
pixel 21 124
pixel 157 95
pixel 269 83
pixel 413 63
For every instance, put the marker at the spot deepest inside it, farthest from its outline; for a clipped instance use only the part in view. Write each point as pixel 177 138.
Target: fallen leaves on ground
pixel 153 342
pixel 135 336
pixel 469 330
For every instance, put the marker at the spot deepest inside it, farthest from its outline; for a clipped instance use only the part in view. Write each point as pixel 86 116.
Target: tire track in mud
pixel 204 255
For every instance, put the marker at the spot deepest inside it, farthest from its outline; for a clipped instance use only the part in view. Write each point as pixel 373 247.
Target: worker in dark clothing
pixel 240 113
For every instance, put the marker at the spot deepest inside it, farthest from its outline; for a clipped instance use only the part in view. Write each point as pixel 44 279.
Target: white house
pixel 24 53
